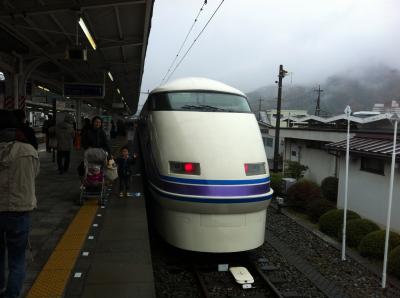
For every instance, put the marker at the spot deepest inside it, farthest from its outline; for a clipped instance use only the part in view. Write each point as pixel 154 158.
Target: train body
pixel 206 166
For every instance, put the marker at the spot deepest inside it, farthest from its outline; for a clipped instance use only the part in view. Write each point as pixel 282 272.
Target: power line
pixel 184 41
pixel 194 41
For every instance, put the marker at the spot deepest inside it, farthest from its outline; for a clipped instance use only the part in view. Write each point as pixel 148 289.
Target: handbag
pixel 111 171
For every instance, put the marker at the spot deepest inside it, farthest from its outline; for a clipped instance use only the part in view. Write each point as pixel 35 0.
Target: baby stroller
pixel 93 180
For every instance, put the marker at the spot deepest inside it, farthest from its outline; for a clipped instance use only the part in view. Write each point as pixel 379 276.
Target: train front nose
pixel 226 145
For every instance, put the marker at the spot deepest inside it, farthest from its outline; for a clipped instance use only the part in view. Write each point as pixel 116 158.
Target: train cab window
pixel 200 101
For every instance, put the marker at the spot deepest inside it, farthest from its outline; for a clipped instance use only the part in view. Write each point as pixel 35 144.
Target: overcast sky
pixel 247 39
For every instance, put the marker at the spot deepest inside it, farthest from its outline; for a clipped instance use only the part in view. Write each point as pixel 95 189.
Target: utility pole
pixel 281 75
pixel 318 108
pixel 259 109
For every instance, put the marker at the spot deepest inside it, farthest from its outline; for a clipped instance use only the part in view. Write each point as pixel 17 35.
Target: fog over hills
pixel 361 89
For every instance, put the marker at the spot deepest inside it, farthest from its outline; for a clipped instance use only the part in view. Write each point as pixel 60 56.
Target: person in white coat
pixel 19 166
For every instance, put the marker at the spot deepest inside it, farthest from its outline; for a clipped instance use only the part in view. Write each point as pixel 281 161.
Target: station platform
pixel 87 251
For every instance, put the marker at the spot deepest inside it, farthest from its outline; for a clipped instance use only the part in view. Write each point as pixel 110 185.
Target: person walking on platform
pixel 24 127
pixel 64 133
pixel 125 163
pixel 46 126
pixel 95 137
pixel 19 166
pixel 113 132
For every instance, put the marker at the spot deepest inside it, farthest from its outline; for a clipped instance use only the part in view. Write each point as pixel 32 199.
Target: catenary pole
pixel 394 118
pixel 347 111
pixel 281 75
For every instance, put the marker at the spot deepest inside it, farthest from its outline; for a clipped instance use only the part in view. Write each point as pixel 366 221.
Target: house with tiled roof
pixel 320 144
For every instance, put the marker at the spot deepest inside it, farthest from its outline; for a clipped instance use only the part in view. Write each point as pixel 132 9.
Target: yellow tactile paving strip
pixel 54 276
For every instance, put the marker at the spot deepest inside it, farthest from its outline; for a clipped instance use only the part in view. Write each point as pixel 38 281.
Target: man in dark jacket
pixel 24 127
pixel 95 137
pixel 64 133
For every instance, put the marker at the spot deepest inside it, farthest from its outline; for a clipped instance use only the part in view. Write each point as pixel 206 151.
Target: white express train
pixel 206 166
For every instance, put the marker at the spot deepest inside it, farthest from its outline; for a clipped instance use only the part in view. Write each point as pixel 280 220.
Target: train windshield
pixel 199 101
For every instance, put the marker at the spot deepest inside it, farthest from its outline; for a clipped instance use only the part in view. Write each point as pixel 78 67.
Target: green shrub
pixel 302 193
pixel 276 183
pixel 331 222
pixel 373 244
pixel 357 229
pixel 394 261
pixel 318 207
pixel 329 187
pixel 295 169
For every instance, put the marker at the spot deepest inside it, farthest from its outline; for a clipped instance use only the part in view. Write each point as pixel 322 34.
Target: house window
pixel 269 142
pixel 373 165
pixel 294 153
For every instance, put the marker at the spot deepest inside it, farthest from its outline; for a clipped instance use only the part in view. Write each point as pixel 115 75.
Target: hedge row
pixel 373 244
pixel 306 196
pixel 302 193
pixel 364 235
pixel 276 184
pixel 357 229
pixel 331 223
pixel 319 204
pixel 317 208
pixel 329 187
pixel 394 261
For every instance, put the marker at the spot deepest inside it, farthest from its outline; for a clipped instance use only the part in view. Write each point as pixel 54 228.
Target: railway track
pixel 177 272
pixel 320 261
pixel 213 283
pixel 292 259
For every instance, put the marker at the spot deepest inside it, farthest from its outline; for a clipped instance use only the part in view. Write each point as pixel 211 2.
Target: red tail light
pixel 189 167
pixel 246 167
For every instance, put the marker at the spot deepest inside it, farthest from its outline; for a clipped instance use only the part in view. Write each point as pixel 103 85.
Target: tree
pixel 295 169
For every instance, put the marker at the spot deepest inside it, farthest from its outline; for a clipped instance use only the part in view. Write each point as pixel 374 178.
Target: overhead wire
pixel 194 41
pixel 184 41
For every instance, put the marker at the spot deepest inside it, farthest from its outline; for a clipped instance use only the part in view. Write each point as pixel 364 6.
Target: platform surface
pixel 109 257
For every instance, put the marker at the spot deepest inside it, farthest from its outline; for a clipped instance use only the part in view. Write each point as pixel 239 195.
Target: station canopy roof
pixel 48 29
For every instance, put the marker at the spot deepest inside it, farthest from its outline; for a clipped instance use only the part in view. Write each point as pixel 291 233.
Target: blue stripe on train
pixel 211 200
pixel 214 182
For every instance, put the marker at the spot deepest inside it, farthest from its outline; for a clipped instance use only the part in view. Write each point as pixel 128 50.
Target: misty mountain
pixel 361 89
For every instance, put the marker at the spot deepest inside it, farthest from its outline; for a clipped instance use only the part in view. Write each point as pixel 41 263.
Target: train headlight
pixel 188 168
pixel 254 168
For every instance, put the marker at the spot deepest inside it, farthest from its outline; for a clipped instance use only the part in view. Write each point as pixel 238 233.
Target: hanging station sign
pixel 118 105
pixel 77 90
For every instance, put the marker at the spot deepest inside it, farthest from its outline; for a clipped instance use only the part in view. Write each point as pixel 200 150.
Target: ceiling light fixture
pixel 43 88
pixel 110 76
pixel 87 33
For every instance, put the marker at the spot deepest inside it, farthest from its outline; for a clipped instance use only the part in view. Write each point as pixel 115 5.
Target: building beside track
pixel 320 144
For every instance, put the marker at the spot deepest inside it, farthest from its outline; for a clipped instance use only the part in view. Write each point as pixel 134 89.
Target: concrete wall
pixel 320 163
pixel 301 134
pixel 369 192
pixel 314 135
